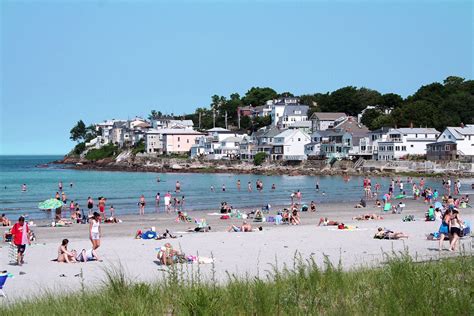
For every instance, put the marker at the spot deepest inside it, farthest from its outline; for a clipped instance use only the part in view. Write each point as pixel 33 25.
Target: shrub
pixel 139 147
pixel 259 158
pixel 79 148
pixel 107 151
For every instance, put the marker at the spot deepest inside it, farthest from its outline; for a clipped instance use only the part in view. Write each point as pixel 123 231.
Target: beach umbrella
pixel 50 204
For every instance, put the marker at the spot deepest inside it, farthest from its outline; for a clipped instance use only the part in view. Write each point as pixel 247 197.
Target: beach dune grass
pixel 400 286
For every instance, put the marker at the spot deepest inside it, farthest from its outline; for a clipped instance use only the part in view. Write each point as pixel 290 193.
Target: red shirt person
pixel 21 237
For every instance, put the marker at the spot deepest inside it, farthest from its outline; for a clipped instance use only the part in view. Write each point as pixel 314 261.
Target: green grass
pixel 399 287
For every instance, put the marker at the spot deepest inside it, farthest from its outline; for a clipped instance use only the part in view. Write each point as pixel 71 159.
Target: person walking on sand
pixel 455 230
pixel 95 230
pixel 21 236
pixel 141 204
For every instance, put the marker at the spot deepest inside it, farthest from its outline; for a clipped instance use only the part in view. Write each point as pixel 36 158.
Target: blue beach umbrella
pixel 50 204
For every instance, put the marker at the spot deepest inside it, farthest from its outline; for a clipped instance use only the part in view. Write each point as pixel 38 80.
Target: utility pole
pixel 226 120
pixel 214 118
pixel 238 118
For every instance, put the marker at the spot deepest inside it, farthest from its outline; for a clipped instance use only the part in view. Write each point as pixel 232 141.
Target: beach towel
pixel 387 207
pixel 149 235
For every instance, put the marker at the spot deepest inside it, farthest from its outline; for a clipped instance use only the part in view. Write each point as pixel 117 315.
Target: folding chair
pixel 13 253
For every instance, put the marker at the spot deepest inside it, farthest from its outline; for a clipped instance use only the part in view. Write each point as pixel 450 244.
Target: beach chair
pixel 13 253
pixel 3 279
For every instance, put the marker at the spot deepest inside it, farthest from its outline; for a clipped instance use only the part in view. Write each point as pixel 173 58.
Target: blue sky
pixel 92 60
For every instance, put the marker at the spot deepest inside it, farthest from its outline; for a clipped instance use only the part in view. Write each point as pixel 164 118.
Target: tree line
pixel 434 105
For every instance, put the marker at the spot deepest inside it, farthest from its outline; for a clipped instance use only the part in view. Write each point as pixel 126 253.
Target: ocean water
pixel 123 189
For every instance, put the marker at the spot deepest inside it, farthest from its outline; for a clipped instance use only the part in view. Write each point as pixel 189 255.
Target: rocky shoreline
pixel 176 165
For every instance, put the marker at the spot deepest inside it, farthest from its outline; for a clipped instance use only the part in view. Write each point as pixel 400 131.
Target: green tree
pixel 370 115
pixel 78 132
pixel 259 158
pixel 154 115
pixel 258 96
pixel 245 122
pixel 390 101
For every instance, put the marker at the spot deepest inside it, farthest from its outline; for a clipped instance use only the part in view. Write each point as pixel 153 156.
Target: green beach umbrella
pixel 50 204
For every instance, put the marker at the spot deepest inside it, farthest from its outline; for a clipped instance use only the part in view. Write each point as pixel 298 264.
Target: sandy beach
pixel 243 254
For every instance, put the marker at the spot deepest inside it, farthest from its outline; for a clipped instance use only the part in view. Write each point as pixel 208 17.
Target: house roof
pixel 272 132
pixel 328 116
pixel 290 132
pixel 421 130
pixel 352 126
pixel 175 131
pixel 218 129
pixel 291 110
pixel 232 139
pixel 460 132
pixel 449 142
pixel 301 124
pixel 382 130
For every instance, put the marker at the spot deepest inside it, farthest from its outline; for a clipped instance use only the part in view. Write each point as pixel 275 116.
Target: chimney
pixel 411 124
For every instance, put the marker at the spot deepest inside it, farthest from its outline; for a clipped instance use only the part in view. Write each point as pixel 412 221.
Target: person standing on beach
pixel 168 202
pixel 21 236
pixel 178 187
pixel 238 185
pixel 299 196
pixel 141 204
pixel 112 211
pixel 95 230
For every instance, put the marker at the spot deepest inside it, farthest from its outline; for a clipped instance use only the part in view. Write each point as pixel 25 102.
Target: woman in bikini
pixel 64 255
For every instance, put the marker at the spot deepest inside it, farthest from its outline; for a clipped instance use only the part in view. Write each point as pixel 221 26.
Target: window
pixel 426 135
pixel 187 141
pixel 397 148
pixel 411 146
pixel 404 148
pixel 299 139
pixel 179 139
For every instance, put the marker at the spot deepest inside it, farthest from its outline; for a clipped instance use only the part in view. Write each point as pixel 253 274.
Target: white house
pixel 322 121
pixel 292 114
pixel 405 141
pixel 463 137
pixel 290 145
pixel 229 148
pixel 278 107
